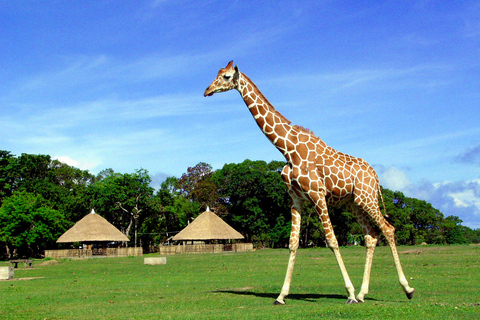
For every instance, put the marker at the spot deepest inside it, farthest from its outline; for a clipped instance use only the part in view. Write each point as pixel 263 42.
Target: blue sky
pixel 119 84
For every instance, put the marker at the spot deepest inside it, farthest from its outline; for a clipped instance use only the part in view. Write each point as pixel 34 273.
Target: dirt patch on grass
pixel 414 251
pixel 24 278
pixel 422 250
pixel 242 289
pixel 49 263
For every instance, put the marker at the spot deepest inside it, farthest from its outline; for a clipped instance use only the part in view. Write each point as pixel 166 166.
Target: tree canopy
pixel 40 198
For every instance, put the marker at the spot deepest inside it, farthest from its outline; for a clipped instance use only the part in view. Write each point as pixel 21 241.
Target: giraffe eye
pixel 226 77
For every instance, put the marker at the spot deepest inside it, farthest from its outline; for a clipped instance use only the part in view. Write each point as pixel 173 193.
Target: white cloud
pixel 395 179
pixel 457 198
pixel 85 163
pixel 67 160
pixel 452 198
pixel 463 199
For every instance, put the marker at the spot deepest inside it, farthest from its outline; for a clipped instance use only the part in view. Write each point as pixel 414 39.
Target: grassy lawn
pixel 245 285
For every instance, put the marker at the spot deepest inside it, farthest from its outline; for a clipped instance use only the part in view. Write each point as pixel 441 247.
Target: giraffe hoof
pixel 276 303
pixel 352 301
pixel 410 295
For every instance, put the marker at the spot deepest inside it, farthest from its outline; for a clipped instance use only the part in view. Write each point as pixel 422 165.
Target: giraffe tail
pixel 383 203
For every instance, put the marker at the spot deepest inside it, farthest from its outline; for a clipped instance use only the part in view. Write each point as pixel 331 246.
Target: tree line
pixel 41 198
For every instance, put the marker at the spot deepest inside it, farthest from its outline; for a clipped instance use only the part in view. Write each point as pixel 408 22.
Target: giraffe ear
pixel 236 75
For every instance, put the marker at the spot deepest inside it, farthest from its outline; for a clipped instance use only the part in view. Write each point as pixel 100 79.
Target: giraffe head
pixel 227 79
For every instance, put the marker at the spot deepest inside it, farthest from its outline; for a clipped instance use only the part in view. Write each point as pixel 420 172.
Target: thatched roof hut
pixel 208 226
pixel 92 228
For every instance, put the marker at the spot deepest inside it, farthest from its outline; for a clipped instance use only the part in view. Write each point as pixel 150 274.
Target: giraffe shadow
pixel 310 297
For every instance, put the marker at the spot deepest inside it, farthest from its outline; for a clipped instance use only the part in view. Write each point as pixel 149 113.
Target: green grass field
pixel 245 285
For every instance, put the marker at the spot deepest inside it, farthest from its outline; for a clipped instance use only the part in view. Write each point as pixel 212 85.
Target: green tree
pixel 415 220
pixel 6 178
pixel 63 186
pixel 28 225
pixel 124 199
pixel 344 225
pixel 453 230
pixel 176 209
pixel 426 220
pixel 397 214
pixel 312 233
pixel 257 201
pixel 29 171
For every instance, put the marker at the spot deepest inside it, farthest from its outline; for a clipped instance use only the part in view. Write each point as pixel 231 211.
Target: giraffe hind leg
pixel 389 231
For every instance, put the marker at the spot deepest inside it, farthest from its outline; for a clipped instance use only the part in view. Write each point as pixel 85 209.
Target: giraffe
pixel 320 174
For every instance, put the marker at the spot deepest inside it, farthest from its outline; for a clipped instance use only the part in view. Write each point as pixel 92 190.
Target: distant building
pixel 98 238
pixel 207 233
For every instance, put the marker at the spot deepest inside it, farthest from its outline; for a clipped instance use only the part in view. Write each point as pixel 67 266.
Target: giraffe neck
pixel 273 124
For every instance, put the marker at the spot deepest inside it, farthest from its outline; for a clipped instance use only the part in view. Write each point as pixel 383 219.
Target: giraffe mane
pixel 281 116
pixel 305 130
pixel 276 112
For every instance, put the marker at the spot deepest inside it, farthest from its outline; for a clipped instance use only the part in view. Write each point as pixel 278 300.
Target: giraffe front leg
pixel 371 239
pixel 370 243
pixel 333 245
pixel 294 242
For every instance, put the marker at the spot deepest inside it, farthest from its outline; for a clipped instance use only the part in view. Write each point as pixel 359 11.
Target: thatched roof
pixel 208 226
pixel 92 227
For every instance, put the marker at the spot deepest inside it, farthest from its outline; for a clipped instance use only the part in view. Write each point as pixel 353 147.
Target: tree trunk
pixel 129 226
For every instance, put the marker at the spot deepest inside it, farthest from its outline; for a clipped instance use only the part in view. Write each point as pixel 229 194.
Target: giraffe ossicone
pixel 321 175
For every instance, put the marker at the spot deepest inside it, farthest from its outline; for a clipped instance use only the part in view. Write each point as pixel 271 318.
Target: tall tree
pixel 196 185
pixel 178 210
pixel 257 201
pixel 28 171
pixel 63 186
pixel 123 199
pixel 454 233
pixel 28 225
pixel 6 177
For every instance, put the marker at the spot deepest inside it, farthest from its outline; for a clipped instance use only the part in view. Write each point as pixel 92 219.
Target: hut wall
pixel 88 253
pixel 242 247
pixel 68 253
pixel 205 248
pixel 125 252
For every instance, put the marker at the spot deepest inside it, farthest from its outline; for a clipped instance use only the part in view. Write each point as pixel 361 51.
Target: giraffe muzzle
pixel 208 92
